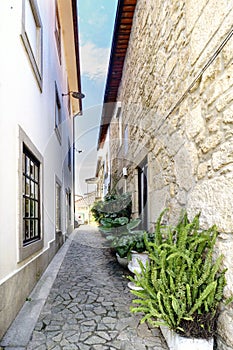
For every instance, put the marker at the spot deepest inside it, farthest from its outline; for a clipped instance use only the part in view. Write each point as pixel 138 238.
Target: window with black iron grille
pixel 31 197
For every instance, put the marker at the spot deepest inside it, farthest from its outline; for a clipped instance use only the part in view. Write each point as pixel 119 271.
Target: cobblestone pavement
pixel 88 305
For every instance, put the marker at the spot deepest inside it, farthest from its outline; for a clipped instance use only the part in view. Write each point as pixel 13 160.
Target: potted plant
pixel 128 243
pixel 182 287
pixel 120 235
pixel 113 206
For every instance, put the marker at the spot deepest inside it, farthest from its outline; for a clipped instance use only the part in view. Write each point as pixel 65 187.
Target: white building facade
pixel 39 66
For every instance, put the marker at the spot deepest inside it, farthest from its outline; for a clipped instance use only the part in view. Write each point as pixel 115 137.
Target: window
pixel 58 32
pixel 126 139
pixel 120 129
pixel 30 192
pixel 68 208
pixel 118 116
pixel 32 36
pixel 58 115
pixel 106 170
pixel 69 155
pixel 31 197
pixel 58 207
pixel 143 194
pixel 68 100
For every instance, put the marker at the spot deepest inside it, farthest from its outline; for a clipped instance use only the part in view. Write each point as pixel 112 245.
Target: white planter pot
pixel 122 261
pixel 176 342
pixel 134 265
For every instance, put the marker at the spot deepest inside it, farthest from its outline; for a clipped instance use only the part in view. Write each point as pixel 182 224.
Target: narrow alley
pixel 87 306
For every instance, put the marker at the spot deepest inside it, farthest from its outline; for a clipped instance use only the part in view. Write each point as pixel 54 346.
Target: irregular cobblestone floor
pixel 88 305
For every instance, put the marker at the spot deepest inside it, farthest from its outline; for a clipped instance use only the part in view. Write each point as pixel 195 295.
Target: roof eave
pixel 76 41
pixel 121 34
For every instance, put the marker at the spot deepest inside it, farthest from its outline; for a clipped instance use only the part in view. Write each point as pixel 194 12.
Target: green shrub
pixel 182 286
pixel 113 206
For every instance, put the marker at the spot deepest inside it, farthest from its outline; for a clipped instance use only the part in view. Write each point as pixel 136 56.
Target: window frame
pixel 35 58
pixel 58 115
pixel 68 207
pixel 69 155
pixel 57 31
pixel 58 215
pixel 31 196
pixel 26 250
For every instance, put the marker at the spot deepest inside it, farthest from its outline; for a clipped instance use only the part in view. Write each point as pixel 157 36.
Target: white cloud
pixel 94 61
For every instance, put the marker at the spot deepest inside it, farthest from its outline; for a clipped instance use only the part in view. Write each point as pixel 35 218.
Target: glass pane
pixel 27 165
pixel 27 207
pixel 31 228
pixel 36 191
pixel 32 189
pixel 31 208
pixel 26 229
pixel 32 170
pixel 36 173
pixel 27 187
pixel 36 228
pixel 36 213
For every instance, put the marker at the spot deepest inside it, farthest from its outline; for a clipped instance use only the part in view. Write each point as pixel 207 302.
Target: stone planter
pixel 176 342
pixel 122 261
pixel 134 262
pixel 134 266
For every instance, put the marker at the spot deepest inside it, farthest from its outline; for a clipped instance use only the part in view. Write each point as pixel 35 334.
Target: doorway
pixel 143 194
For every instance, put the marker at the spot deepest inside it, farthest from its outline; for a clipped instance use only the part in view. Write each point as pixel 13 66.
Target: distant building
pixel 39 66
pixel 82 208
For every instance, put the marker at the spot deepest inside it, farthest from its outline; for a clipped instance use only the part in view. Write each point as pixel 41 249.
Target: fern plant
pixel 182 286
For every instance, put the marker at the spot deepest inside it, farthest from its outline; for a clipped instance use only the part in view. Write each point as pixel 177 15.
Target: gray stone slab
pixel 81 302
pixel 18 336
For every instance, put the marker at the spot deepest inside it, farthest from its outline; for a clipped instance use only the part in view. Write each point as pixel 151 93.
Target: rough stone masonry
pixel 177 110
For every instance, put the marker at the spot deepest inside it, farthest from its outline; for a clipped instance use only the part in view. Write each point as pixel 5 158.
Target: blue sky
pixel 96 22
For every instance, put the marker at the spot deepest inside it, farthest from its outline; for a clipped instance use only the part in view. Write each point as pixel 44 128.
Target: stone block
pixel 202 170
pixel 194 122
pixel 211 142
pixel 224 156
pixel 228 115
pixel 225 328
pixel 185 165
pixel 214 198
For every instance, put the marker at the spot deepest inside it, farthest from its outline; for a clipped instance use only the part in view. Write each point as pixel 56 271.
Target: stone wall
pixel 177 100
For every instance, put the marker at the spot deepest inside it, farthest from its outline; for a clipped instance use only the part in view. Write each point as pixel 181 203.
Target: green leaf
pixel 107 222
pixel 203 296
pixel 121 221
pixel 175 304
pixel 133 223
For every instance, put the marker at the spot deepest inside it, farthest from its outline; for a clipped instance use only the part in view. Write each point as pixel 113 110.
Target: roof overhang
pixel 121 35
pixel 69 17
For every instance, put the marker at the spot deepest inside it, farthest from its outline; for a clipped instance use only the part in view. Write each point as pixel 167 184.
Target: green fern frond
pixel 216 267
pixel 188 296
pixel 180 255
pixel 158 234
pixel 202 297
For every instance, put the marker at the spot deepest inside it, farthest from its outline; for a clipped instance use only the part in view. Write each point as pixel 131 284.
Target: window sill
pixel 30 249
